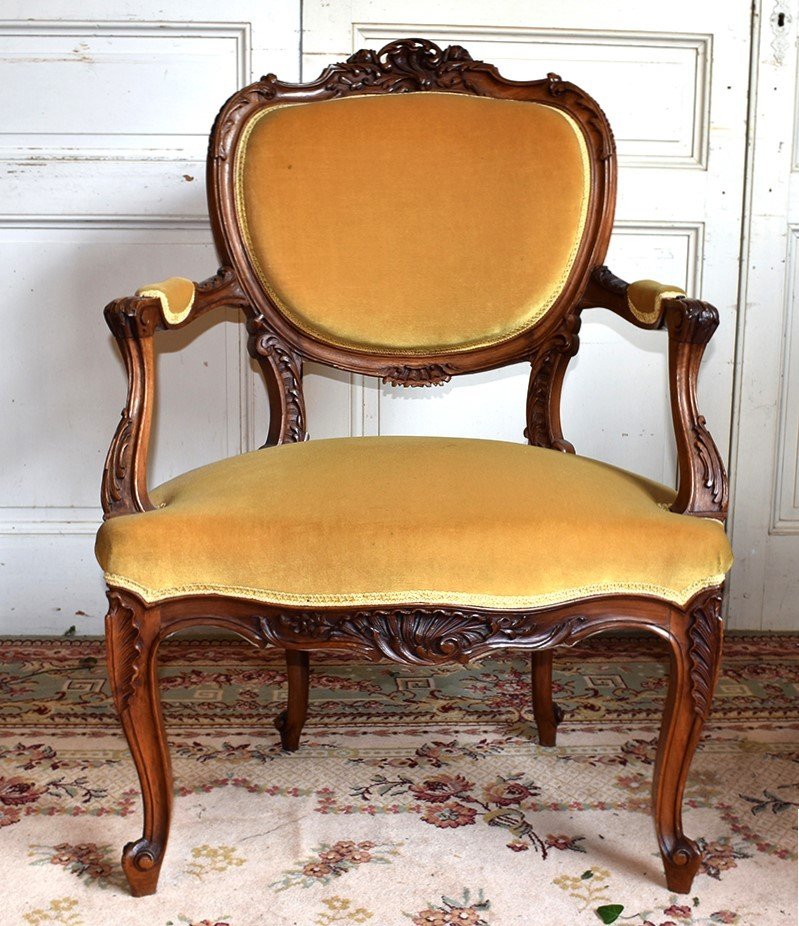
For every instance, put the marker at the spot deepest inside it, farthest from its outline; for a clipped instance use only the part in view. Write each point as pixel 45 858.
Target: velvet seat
pixel 268 526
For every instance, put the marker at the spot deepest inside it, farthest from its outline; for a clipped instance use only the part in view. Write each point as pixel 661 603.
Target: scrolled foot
pixel 681 863
pixel 141 862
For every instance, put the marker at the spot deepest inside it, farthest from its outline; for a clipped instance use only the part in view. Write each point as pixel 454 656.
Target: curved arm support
pixel 547 369
pixel 282 369
pixel 133 322
pixel 702 485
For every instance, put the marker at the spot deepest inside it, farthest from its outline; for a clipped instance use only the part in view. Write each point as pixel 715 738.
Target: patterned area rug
pixel 419 797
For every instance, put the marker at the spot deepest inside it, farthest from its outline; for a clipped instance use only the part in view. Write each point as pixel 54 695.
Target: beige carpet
pixel 418 796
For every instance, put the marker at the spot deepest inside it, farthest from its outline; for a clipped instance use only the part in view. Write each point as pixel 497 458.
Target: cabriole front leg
pixel 695 639
pixel 132 638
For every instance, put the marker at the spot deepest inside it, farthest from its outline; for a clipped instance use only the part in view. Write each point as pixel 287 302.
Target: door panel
pixel 764 586
pixel 102 167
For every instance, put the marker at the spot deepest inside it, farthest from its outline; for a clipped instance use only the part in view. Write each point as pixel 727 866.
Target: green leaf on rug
pixel 586 875
pixel 610 912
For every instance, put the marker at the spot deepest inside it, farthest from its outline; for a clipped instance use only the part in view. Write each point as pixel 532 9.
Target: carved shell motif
pixel 419 636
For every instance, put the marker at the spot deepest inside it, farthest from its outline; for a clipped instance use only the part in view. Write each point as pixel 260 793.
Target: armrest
pixel 133 321
pixel 640 303
pixel 702 482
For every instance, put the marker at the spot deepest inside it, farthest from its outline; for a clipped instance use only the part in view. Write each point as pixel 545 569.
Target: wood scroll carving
pixel 123 632
pixel 404 66
pixel 435 374
pixel 418 636
pixel 282 369
pixel 548 367
pixel 702 479
pixel 704 649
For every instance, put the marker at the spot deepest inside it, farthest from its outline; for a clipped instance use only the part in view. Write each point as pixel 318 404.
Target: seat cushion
pixel 387 520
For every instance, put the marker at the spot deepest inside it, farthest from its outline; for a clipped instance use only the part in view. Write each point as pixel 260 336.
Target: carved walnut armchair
pixel 415 216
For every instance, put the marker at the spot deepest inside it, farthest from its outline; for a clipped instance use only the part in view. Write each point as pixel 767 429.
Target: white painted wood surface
pixel 102 164
pixel 105 113
pixel 764 588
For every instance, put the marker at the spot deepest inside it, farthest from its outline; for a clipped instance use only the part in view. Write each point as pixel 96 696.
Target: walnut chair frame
pixel 414 633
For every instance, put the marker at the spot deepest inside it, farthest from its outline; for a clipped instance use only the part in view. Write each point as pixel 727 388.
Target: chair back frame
pixel 411 66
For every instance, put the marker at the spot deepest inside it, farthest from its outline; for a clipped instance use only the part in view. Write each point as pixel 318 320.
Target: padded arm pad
pixel 644 299
pixel 176 296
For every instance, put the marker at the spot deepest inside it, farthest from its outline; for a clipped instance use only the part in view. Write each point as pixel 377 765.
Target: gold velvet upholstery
pixel 415 222
pixel 176 296
pixel 384 520
pixel 645 296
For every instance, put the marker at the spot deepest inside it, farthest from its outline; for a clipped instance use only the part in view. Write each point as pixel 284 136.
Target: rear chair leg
pixel 132 638
pixel 291 721
pixel 547 714
pixel 695 640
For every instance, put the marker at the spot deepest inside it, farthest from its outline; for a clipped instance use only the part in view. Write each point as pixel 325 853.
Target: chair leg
pixel 547 714
pixel 695 659
pixel 291 721
pixel 132 637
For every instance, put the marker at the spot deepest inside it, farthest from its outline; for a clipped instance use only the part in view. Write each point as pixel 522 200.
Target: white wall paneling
pixel 181 64
pixel 671 132
pixel 785 519
pixel 764 585
pixel 102 158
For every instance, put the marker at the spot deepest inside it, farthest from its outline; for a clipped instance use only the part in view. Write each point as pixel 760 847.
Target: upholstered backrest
pixel 411 214
pixel 415 222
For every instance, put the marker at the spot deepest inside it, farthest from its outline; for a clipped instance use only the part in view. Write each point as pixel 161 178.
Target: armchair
pixel 364 258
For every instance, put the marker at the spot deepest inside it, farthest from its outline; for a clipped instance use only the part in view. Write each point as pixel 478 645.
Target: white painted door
pixel 105 114
pixel 765 582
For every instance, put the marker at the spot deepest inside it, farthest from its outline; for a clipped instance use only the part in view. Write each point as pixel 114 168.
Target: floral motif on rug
pixel 418 796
